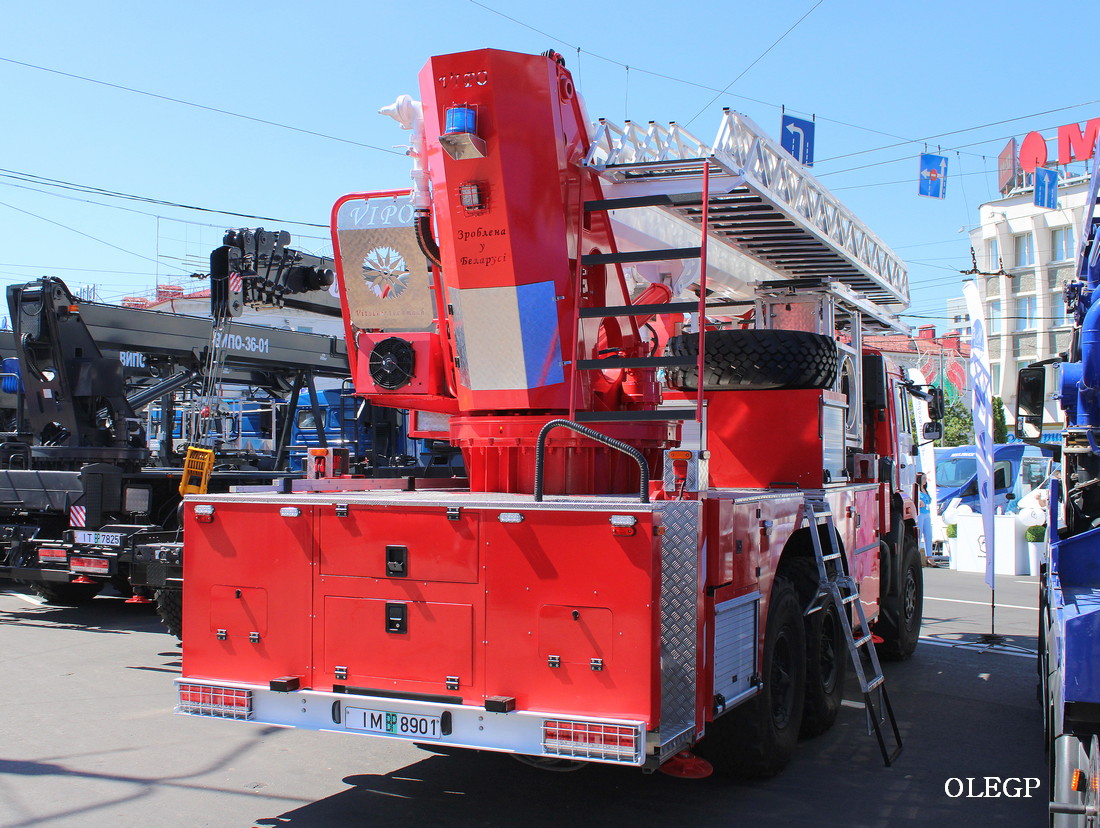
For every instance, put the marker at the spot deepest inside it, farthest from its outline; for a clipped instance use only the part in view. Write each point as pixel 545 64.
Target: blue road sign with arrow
pixel 1046 188
pixel 933 175
pixel 797 137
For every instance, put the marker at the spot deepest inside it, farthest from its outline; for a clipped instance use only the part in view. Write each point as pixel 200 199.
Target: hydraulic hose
pixel 425 238
pixel 611 442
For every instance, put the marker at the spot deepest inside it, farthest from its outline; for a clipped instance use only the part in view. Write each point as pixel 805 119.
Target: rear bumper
pixel 619 742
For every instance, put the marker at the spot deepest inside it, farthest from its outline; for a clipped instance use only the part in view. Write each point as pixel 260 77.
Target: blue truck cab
pixel 1017 469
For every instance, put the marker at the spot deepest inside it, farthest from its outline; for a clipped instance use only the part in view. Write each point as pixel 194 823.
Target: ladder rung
pixel 859 642
pixel 611 363
pixel 831 557
pixel 848 599
pixel 670 414
pixel 639 310
pixel 641 256
pixel 657 200
pixel 875 683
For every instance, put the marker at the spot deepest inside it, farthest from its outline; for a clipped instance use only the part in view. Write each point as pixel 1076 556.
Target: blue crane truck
pixel 1069 580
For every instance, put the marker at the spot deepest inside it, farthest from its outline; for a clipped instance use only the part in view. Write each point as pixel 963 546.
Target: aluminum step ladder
pixel 839 588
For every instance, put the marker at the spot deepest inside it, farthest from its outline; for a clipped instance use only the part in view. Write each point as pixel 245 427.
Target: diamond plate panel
pixel 698 472
pixel 680 565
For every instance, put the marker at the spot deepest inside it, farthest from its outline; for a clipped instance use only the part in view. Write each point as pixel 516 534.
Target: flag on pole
pixel 982 409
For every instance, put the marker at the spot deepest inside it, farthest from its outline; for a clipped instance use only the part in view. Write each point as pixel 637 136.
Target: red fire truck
pixel 689 505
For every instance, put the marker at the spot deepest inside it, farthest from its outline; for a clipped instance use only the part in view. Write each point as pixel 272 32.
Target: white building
pixel 1026 254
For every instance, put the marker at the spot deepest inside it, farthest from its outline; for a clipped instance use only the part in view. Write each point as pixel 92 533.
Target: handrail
pixel 610 442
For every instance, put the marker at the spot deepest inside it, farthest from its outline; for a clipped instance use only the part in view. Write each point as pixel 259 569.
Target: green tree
pixel 1000 427
pixel 958 425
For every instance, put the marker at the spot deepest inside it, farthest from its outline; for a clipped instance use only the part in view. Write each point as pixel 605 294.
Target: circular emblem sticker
pixel 385 272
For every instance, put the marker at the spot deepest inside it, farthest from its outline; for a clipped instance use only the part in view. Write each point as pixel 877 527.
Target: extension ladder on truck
pixel 762 203
pixel 768 219
pixel 837 587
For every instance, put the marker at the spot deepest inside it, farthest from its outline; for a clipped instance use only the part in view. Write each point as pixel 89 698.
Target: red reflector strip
pixel 592 740
pixel 98 566
pixel 52 556
pixel 223 702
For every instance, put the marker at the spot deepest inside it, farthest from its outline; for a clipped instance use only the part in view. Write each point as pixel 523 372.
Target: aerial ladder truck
pixel 690 499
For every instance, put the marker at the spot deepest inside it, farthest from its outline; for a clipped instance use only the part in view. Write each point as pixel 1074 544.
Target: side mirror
pixel 1030 396
pixel 932 430
pixel 936 410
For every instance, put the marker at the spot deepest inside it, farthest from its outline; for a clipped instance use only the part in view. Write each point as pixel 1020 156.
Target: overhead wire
pixel 759 57
pixel 85 235
pixel 32 178
pixel 194 105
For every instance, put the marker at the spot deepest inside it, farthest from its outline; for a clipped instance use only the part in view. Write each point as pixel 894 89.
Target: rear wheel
pixel 899 623
pixel 826 666
pixel 826 656
pixel 67 595
pixel 758 738
pixel 170 610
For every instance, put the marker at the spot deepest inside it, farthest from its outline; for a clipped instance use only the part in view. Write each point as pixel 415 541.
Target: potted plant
pixel 951 531
pixel 1035 537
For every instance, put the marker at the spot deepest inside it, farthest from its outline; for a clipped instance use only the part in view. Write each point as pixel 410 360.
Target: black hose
pixel 425 238
pixel 611 442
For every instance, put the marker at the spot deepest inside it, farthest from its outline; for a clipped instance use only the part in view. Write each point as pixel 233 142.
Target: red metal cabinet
pixel 248 573
pixel 572 614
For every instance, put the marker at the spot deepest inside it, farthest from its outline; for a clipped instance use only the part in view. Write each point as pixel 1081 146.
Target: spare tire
pixel 755 359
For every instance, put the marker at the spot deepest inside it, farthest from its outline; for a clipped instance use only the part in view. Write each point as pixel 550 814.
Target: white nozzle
pixel 410 114
pixel 404 110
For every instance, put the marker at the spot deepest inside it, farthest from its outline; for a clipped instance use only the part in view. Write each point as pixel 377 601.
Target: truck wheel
pixel 826 654
pixel 757 739
pixel 755 359
pixel 900 626
pixel 170 610
pixel 67 595
pixel 826 666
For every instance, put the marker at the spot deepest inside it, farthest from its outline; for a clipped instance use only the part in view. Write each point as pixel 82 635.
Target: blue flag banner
pixel 981 389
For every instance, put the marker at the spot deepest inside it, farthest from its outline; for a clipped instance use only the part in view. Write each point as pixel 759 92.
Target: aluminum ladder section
pixel 839 588
pixel 764 204
pixel 616 259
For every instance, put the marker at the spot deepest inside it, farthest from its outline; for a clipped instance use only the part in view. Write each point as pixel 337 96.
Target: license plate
pixel 394 724
pixel 98 538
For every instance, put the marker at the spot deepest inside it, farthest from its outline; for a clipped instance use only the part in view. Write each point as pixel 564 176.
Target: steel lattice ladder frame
pixel 840 588
pixel 617 259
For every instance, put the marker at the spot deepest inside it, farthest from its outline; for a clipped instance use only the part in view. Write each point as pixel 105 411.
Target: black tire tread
pixel 66 595
pixel 755 360
pixel 821 707
pixel 170 609
pixel 899 639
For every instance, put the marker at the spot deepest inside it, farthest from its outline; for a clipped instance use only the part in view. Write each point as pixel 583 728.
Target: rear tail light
pixel 223 702
pixel 592 740
pixel 95 566
pixel 52 556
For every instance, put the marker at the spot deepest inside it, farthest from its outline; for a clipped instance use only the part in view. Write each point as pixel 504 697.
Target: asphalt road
pixel 87 738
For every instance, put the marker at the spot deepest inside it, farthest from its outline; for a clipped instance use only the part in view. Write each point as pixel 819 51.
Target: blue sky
pixel 883 80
